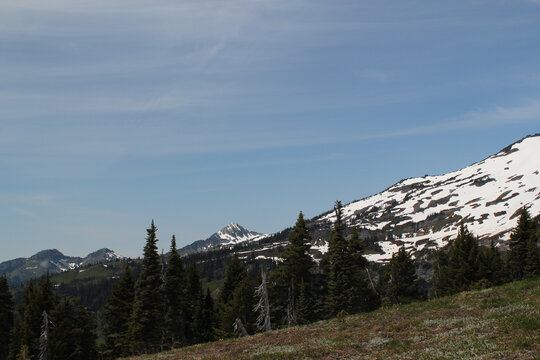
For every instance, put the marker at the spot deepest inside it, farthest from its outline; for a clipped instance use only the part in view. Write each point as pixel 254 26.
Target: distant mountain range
pixel 419 213
pixel 22 269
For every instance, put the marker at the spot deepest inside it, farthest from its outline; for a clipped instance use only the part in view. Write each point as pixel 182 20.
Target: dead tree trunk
pixel 371 281
pixel 239 328
pixel 44 338
pixel 263 306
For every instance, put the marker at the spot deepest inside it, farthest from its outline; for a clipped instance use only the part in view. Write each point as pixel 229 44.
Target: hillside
pixel 422 213
pixel 497 323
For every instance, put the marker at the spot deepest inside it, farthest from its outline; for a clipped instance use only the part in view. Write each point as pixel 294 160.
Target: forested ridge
pixel 166 302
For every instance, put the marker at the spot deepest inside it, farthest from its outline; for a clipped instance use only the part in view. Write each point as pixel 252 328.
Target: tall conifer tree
pixel 236 272
pixel 339 264
pixel 237 298
pixel 347 287
pixel 297 262
pixel 36 299
pixel 194 304
pixel 205 321
pixel 295 269
pixel 491 269
pixel 524 254
pixel 304 307
pixel 466 266
pixel 243 304
pixel 6 316
pixel 117 314
pixel 73 334
pixel 176 296
pixel 400 280
pixel 146 328
pixel 532 261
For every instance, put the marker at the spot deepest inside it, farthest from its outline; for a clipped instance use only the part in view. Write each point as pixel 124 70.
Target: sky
pixel 201 113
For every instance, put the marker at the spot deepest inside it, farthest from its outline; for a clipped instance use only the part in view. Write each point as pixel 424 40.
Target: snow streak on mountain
pixel 426 212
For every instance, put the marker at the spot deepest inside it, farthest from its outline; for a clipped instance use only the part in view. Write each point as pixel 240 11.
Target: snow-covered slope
pixel 231 234
pixel 426 212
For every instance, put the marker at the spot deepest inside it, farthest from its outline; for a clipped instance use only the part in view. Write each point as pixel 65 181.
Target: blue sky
pixel 201 113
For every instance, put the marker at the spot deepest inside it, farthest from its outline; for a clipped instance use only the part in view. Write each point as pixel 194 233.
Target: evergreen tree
pixel 16 339
pixel 400 280
pixel 442 284
pixel 73 335
pixel 205 321
pixel 466 266
pixel 304 307
pixel 6 316
pixel 295 268
pixel 339 265
pixel 235 273
pixel 117 315
pixel 520 240
pixel 35 301
pixel 243 304
pixel 297 262
pixel 356 249
pixel 532 261
pixel 463 260
pixel 491 270
pixel 146 328
pixel 194 304
pixel 236 298
pixel 176 296
pixel 347 288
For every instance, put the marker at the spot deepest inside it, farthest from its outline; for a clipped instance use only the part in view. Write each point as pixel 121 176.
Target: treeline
pixel 167 307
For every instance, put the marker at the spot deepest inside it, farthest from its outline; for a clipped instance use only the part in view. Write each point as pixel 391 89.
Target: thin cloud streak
pixel 185 137
pixel 30 199
pixel 497 116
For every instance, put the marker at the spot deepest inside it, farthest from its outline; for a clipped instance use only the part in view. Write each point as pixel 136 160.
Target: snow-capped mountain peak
pixel 234 233
pixel 231 234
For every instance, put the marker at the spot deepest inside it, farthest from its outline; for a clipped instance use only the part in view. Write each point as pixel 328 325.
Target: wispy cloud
pixel 119 137
pixel 496 116
pixel 30 199
pixel 373 74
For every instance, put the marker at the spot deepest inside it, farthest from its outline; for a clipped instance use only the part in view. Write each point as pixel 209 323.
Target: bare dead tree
pixel 291 319
pixel 163 268
pixel 44 338
pixel 239 328
pixel 263 306
pixel 371 281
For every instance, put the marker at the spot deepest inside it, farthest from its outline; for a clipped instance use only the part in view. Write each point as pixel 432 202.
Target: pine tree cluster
pixel 48 326
pixel 466 265
pixel 165 308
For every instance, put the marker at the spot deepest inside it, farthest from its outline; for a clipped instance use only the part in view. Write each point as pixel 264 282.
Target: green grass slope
pixel 497 323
